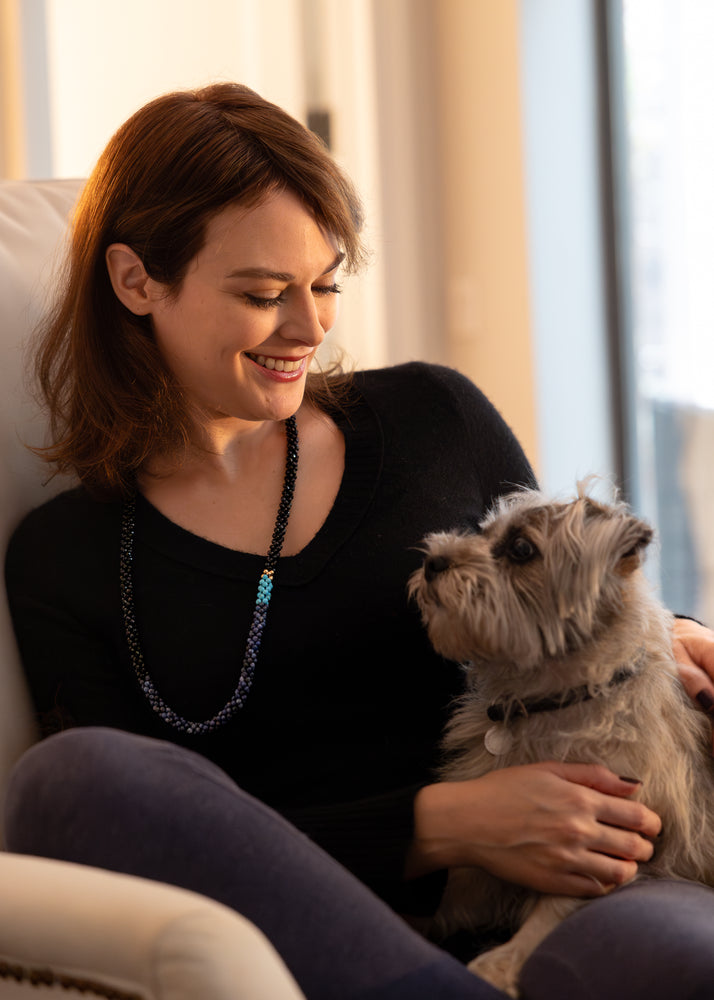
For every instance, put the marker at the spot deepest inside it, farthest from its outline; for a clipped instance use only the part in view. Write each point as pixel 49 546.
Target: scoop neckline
pixel 363 437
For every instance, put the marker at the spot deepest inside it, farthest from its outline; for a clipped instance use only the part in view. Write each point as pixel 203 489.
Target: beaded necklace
pixel 260 611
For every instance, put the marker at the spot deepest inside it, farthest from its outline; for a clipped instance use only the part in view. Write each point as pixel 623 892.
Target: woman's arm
pixel 558 828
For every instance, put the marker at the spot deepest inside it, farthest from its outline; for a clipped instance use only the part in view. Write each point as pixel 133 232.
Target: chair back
pixel 33 226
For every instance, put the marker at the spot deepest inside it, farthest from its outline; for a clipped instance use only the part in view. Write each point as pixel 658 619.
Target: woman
pixel 172 621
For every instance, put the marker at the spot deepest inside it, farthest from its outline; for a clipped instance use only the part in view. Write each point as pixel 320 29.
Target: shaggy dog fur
pixel 547 601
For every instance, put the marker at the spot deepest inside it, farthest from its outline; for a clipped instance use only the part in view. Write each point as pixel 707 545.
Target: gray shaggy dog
pixel 568 657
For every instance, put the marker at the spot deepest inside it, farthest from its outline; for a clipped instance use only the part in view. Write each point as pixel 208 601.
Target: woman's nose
pixel 309 320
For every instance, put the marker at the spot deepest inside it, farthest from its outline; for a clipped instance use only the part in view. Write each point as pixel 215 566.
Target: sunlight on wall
pixel 12 125
pixel 487 314
pixel 128 53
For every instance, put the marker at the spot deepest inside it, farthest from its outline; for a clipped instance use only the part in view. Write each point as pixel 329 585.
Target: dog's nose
pixel 433 565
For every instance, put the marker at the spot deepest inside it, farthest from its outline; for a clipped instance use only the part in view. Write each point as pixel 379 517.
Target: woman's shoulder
pixel 72 522
pixel 437 410
pixel 414 376
pixel 72 506
pixel 426 388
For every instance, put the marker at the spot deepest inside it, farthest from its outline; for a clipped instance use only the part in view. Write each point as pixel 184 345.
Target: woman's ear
pixel 131 284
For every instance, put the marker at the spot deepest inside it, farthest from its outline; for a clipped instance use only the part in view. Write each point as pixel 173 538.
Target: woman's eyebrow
pixel 283 276
pixel 335 263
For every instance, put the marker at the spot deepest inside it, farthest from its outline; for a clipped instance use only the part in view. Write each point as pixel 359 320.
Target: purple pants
pixel 129 804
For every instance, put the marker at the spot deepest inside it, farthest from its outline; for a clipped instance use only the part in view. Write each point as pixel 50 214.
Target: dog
pixel 568 657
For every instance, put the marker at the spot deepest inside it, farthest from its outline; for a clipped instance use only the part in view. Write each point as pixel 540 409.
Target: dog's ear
pixel 635 536
pixel 629 535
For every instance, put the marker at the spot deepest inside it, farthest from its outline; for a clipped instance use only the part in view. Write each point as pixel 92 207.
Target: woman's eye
pixel 264 303
pixel 333 289
pixel 271 302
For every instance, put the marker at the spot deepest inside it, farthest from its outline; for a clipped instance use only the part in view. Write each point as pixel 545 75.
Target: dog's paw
pixel 501 967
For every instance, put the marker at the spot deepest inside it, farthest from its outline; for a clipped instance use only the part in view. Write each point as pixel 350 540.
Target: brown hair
pixel 166 172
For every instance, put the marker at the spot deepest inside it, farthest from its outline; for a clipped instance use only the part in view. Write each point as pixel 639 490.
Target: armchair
pixel 72 929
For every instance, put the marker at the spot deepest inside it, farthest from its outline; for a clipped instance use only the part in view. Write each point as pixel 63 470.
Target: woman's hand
pixel 568 829
pixel 693 646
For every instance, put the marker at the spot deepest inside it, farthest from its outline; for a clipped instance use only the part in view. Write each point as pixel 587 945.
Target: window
pixel 662 87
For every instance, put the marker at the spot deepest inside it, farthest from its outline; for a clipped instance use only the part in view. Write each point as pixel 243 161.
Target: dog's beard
pixel 491 627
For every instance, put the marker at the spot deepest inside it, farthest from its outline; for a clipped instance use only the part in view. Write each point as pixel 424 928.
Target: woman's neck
pixel 230 495
pixel 222 449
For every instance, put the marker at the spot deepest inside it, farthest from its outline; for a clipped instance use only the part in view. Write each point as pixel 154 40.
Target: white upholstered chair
pixel 65 929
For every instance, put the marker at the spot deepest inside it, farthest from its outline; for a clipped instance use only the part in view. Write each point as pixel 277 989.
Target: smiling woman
pixel 218 613
pixel 159 210
pixel 261 286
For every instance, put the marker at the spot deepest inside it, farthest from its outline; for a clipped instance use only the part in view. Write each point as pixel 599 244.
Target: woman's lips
pixel 287 367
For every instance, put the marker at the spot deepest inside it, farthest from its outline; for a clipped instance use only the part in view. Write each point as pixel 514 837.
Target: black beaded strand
pixel 260 611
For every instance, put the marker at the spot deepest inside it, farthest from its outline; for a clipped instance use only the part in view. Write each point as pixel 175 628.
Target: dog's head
pixel 538 580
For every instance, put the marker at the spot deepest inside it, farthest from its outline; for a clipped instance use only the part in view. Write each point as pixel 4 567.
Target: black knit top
pixel 343 720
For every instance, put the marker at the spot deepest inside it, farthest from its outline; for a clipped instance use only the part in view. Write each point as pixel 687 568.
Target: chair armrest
pixel 91 933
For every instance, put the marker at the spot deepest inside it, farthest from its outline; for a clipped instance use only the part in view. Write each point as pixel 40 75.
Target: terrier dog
pixel 568 657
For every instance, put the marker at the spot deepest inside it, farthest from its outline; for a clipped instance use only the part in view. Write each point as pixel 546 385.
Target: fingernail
pixel 630 781
pixel 706 701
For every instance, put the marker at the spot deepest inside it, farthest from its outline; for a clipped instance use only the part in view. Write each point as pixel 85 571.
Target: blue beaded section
pixel 265 587
pixel 260 611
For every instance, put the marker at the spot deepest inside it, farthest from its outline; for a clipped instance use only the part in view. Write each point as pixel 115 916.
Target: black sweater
pixel 342 722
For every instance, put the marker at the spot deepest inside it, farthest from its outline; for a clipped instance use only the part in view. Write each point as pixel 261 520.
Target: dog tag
pixel 498 740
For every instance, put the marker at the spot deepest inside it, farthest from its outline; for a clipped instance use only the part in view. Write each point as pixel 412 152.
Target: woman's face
pixel 256 302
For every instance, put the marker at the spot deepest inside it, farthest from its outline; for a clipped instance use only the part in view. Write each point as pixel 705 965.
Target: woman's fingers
pixel 693 647
pixel 630 823
pixel 616 833
pixel 559 871
pixel 694 679
pixel 622 844
pixel 611 803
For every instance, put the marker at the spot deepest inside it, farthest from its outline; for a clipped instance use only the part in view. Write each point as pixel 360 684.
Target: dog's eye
pixel 520 550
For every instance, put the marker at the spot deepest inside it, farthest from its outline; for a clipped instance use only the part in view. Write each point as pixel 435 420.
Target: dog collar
pixel 499 711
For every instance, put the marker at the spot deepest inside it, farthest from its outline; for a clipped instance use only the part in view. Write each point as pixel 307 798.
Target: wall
pixel 12 111
pixel 487 294
pixel 106 60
